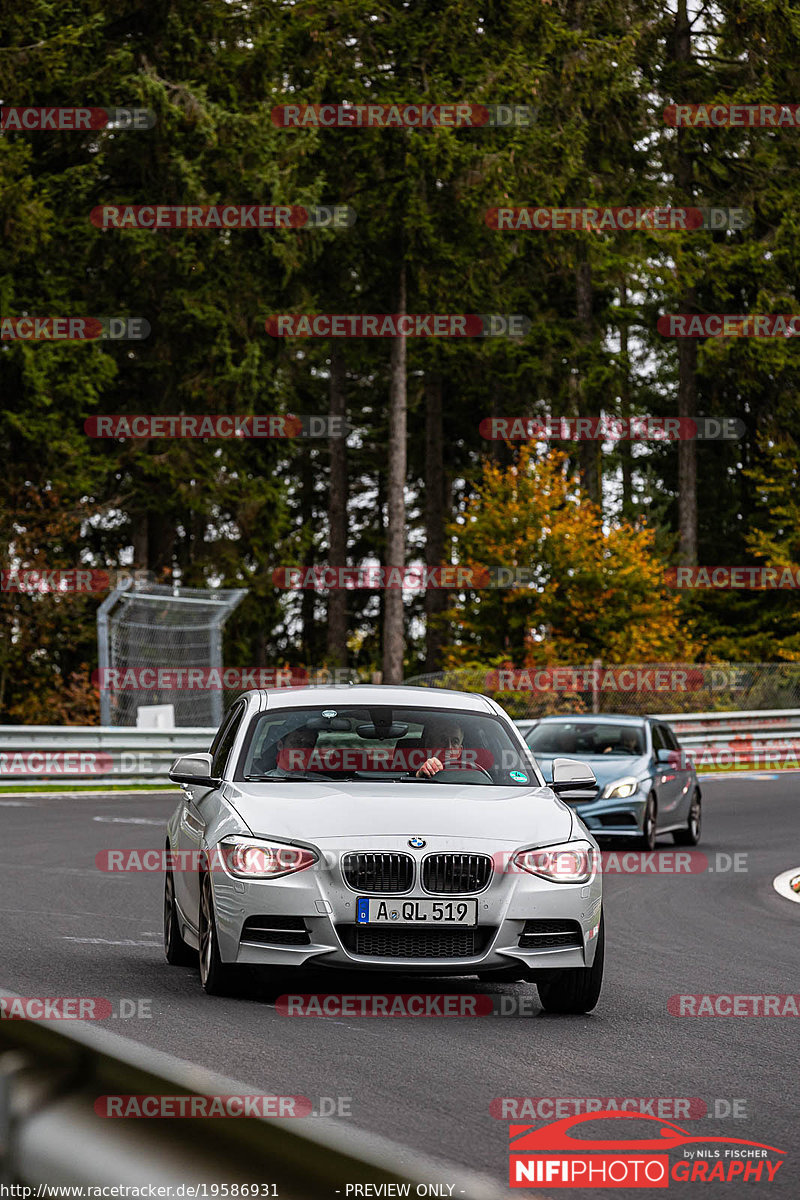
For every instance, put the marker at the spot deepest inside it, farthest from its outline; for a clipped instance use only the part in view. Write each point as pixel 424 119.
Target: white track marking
pixel 781 884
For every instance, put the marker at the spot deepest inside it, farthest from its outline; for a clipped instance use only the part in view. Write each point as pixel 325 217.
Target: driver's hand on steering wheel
pixel 430 767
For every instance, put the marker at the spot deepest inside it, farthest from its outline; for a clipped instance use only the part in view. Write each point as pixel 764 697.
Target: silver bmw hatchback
pixel 394 829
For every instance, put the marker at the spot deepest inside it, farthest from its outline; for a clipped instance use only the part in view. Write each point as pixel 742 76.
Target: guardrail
pixel 93 755
pixel 99 756
pixel 767 738
pixel 51 1135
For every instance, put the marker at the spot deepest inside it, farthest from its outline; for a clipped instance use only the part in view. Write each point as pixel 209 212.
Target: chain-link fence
pixel 149 637
pixel 628 688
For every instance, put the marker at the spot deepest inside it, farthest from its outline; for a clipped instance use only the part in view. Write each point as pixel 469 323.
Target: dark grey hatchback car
pixel 646 786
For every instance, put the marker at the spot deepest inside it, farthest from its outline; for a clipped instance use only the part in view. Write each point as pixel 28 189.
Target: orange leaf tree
pixel 597 587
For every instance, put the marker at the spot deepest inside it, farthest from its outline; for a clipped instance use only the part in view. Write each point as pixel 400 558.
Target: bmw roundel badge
pixel 417 842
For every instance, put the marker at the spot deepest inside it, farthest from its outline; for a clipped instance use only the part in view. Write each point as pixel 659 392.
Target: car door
pixel 668 779
pixel 685 774
pixel 195 814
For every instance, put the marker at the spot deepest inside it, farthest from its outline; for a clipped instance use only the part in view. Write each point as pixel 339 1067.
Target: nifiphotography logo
pixel 557 1155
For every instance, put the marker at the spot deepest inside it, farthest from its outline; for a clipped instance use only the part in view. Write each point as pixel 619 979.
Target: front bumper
pixel 317 908
pixel 613 818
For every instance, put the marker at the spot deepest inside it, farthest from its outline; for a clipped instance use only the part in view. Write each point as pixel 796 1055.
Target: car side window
pixel 220 752
pixel 669 736
pixel 659 741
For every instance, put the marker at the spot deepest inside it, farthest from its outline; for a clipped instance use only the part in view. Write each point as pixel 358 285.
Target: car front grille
pixel 551 935
pixel 406 942
pixel 378 872
pixel 276 931
pixel 453 874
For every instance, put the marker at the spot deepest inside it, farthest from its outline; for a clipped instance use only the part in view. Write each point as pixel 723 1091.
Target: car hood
pixel 316 811
pixel 607 767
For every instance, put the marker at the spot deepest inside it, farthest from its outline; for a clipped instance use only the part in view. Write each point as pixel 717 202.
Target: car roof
pixel 366 694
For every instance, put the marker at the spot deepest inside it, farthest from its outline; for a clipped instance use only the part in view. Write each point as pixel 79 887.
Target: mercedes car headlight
pixel 573 862
pixel 620 788
pixel 256 858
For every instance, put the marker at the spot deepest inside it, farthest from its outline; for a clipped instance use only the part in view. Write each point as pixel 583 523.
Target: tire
pixel 576 989
pixel 176 951
pixel 647 841
pixel 217 978
pixel 690 836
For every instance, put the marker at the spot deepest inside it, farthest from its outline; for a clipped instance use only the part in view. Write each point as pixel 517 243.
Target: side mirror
pixel 569 775
pixel 667 756
pixel 193 768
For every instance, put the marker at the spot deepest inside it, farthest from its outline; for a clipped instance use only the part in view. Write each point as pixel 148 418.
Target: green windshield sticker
pixel 519 776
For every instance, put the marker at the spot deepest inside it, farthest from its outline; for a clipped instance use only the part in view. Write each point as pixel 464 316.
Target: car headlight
pixel 573 862
pixel 620 788
pixel 254 858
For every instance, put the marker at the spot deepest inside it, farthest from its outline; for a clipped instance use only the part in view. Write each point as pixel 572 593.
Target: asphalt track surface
pixel 69 929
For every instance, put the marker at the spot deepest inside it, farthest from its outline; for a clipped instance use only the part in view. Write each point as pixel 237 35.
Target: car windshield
pixel 586 738
pixel 384 744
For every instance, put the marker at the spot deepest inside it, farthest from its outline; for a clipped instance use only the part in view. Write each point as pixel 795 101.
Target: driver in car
pixel 447 740
pixel 296 739
pixel 627 744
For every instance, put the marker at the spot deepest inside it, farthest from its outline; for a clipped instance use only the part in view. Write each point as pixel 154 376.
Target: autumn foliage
pixel 598 589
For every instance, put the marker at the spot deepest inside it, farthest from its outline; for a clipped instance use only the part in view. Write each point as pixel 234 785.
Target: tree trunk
pixel 435 491
pixel 393 640
pixel 687 347
pixel 336 645
pixel 626 448
pixel 308 597
pixel 589 451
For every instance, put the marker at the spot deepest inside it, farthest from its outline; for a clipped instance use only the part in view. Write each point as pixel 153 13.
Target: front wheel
pixel 690 836
pixel 177 952
pixel 576 989
pixel 648 838
pixel 218 978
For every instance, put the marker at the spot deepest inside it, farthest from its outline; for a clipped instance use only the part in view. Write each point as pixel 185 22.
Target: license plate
pixel 416 912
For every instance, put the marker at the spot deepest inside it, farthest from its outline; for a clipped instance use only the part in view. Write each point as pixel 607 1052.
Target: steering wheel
pixel 456 774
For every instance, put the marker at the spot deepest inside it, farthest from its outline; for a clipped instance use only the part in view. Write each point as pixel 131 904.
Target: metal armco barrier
pixel 768 738
pixel 93 755
pixel 51 1135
